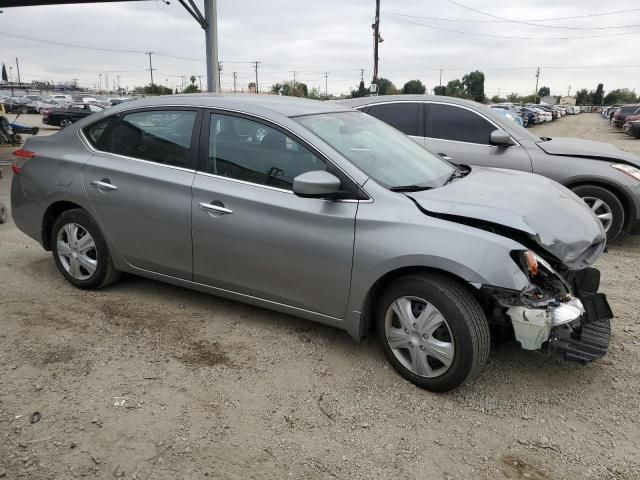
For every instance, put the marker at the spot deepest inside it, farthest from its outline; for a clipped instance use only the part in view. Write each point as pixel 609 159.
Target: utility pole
pixel 569 91
pixel 219 76
pixel 151 69
pixel 99 81
pixel 11 75
pixel 440 77
pixel 235 77
pixel 255 66
pixel 18 67
pixel 537 79
pixel 362 74
pixel 182 84
pixel 294 84
pixel 211 32
pixel 118 77
pixel 326 75
pixel 376 41
pixel 200 81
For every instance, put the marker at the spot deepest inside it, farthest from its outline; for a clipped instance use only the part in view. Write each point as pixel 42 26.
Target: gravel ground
pixel 147 381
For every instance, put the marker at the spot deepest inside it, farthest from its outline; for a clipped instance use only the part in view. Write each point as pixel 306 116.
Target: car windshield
pixel 382 152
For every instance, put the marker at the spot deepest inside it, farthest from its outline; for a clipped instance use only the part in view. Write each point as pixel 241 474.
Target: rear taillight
pixel 22 156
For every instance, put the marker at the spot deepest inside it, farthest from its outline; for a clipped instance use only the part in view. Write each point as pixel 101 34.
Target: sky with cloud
pixel 577 44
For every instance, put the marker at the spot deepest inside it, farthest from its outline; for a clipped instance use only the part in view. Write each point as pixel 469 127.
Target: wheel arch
pixel 52 212
pixel 366 321
pixel 627 203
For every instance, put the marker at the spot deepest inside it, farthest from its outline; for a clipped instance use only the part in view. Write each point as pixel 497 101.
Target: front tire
pixel 3 213
pixel 605 205
pixel 80 251
pixel 65 122
pixel 433 331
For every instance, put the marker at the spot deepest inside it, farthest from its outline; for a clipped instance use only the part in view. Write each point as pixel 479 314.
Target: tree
pixel 497 99
pixel 440 90
pixel 157 90
pixel 191 89
pixel 474 85
pixel 252 86
pixel 544 92
pixel 414 86
pixel 455 88
pixel 287 88
pixel 361 91
pixel 193 79
pixel 621 95
pixel 598 96
pixel 386 87
pixel 583 97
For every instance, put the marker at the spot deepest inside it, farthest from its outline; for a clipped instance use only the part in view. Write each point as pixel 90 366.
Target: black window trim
pixel 192 158
pixel 361 195
pixel 428 120
pixel 421 113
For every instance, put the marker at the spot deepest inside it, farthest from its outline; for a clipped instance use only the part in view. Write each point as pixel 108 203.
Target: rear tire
pixel 80 251
pixel 65 122
pixel 445 341
pixel 610 211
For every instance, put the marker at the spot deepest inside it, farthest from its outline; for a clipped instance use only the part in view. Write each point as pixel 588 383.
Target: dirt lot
pixel 147 381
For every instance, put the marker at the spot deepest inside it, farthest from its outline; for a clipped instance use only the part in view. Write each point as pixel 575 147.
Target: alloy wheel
pixel 77 251
pixel 64 123
pixel 602 211
pixel 419 336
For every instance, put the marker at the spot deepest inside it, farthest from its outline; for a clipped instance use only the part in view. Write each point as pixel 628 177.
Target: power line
pixel 453 2
pixel 510 37
pixel 505 20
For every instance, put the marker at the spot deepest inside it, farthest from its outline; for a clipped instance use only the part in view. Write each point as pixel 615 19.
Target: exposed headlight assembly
pixel 546 285
pixel 628 169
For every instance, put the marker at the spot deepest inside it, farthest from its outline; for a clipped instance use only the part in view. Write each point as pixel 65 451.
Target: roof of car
pixel 249 103
pixel 356 102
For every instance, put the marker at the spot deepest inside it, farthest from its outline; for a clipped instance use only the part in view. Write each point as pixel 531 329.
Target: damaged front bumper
pixel 577 327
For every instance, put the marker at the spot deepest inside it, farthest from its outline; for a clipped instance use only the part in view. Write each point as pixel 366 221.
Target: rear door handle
pixel 103 184
pixel 215 209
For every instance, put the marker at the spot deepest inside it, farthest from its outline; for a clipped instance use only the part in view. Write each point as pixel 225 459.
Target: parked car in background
pixel 533 117
pixel 509 114
pixel 545 116
pixel 15 105
pixel 627 123
pixel 623 112
pixel 118 100
pixel 605 177
pixel 40 103
pixel 634 129
pixel 61 99
pixel 316 210
pixel 64 116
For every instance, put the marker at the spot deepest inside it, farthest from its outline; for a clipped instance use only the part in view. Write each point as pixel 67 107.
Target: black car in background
pixel 64 116
pixel 14 105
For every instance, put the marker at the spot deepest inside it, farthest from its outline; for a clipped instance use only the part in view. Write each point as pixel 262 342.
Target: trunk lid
pixel 546 212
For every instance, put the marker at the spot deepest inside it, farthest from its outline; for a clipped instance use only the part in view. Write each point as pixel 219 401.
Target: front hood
pixel 523 206
pixel 577 147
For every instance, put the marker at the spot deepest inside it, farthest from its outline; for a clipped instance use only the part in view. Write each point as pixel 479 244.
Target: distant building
pixel 567 100
pixel 549 100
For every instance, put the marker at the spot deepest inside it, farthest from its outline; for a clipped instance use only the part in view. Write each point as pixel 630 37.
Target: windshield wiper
pixel 457 173
pixel 410 188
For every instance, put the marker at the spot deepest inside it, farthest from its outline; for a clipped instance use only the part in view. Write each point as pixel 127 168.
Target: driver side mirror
pixel 500 138
pixel 316 184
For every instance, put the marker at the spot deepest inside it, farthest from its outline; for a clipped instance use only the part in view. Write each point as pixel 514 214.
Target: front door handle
pixel 215 209
pixel 104 184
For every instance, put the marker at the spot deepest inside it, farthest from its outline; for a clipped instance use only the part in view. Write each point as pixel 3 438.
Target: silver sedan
pixel 322 212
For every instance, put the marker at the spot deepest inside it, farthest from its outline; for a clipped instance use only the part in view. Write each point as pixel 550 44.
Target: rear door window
pixel 403 116
pixel 450 122
pixel 161 136
pixel 98 133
